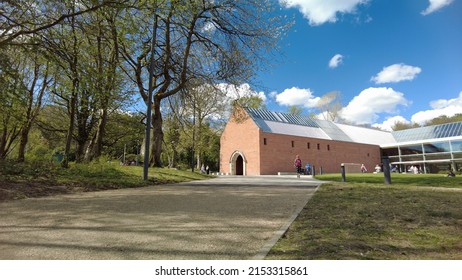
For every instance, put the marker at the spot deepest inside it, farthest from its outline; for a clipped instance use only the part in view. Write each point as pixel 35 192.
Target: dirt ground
pixel 32 189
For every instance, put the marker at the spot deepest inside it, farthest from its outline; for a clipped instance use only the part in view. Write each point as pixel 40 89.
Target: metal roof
pixel 281 117
pixel 286 124
pixel 282 123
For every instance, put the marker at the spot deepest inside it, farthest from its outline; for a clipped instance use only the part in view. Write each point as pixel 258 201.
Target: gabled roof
pixel 286 124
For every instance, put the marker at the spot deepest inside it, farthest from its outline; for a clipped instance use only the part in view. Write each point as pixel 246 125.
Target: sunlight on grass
pixel 416 217
pixel 433 180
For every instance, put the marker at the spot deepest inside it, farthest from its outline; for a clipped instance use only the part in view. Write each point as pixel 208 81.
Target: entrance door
pixel 239 165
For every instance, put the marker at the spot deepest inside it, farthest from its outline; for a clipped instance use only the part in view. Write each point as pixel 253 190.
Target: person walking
pixel 298 165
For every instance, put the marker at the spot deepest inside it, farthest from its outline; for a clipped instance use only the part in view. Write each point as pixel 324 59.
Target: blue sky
pixel 390 59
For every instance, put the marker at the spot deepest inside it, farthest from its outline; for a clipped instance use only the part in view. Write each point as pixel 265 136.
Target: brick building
pixel 261 142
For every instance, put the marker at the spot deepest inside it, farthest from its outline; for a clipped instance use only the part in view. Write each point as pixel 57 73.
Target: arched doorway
pixel 238 164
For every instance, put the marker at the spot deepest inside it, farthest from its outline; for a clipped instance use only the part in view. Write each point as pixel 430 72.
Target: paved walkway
pixel 223 218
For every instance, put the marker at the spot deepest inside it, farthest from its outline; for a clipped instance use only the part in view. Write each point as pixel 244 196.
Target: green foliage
pixel 295 110
pixel 251 102
pixel 444 119
pixel 36 179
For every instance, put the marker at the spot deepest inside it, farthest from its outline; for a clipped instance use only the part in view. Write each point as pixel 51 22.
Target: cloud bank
pixel 446 107
pixel 365 107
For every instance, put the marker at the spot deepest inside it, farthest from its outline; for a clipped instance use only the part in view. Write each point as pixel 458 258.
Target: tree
pixel 403 125
pixel 202 102
pixel 444 119
pixel 35 90
pixel 85 55
pixel 212 41
pixel 330 105
pixel 106 77
pixel 11 101
pixel 22 19
pixel 295 110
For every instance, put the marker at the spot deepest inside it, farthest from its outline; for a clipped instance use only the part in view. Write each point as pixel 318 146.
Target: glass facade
pixel 431 149
pixel 429 157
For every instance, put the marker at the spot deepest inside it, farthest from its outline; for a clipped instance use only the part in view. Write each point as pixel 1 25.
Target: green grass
pixel 416 217
pixel 431 180
pixel 23 180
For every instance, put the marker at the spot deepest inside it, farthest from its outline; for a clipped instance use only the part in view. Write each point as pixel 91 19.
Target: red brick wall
pixel 242 136
pixel 278 154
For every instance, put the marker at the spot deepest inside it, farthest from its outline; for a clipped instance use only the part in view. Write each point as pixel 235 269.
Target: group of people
pixel 299 169
pixel 377 168
pixel 205 169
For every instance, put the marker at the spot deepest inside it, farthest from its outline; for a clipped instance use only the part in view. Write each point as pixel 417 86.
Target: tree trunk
pixel 32 111
pixel 23 142
pixel 3 140
pixel 7 138
pixel 158 134
pixel 96 145
pixel 67 149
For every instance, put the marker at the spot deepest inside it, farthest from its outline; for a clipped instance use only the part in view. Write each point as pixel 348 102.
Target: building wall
pixel 279 153
pixel 240 135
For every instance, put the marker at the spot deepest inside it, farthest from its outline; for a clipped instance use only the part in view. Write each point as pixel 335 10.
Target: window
pixel 264 141
pixel 328 147
pixel 293 144
pixel 411 150
pixel 456 145
pixel 308 145
pixel 319 146
pixel 438 147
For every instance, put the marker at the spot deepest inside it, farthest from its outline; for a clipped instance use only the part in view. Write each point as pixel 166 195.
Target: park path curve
pixel 228 217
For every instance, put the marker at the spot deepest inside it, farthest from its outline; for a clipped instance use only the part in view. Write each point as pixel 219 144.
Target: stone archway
pixel 238 164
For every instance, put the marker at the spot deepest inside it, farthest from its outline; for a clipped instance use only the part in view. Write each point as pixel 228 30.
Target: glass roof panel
pixel 429 132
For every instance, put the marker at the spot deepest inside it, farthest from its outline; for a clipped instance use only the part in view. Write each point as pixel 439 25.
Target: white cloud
pixel 321 11
pixel 396 73
pixel 297 97
pixel 335 61
pixel 365 107
pixel 234 92
pixel 439 107
pixel 390 122
pixel 435 5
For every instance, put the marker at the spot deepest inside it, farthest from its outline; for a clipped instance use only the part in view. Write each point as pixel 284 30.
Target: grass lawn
pixel 416 217
pixel 24 180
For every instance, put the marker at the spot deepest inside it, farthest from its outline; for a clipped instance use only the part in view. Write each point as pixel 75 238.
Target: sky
pixel 391 60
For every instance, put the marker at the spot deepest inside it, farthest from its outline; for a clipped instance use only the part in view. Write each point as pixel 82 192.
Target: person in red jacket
pixel 298 165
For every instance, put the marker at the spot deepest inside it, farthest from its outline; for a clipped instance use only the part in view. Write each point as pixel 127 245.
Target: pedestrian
pixel 298 165
pixel 363 168
pixel 207 169
pixel 202 169
pixel 308 169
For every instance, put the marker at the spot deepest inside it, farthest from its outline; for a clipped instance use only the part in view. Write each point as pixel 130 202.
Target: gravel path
pixel 223 218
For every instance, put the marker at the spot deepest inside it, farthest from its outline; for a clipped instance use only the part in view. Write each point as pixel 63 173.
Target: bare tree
pixel 330 106
pixel 213 41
